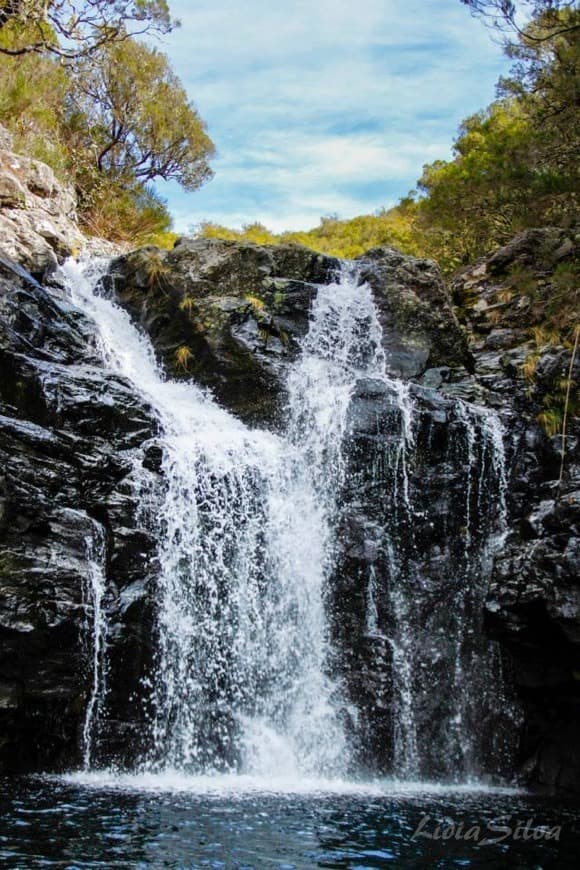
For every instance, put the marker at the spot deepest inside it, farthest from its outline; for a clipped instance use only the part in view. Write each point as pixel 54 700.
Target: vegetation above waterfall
pixel 105 111
pixel 80 92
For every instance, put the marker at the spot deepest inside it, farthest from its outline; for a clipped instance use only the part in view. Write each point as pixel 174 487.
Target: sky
pixel 322 107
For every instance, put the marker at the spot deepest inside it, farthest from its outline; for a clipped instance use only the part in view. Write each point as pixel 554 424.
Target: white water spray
pixel 241 674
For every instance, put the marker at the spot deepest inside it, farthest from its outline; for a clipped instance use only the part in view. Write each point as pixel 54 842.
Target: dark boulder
pixel 228 315
pixel 419 325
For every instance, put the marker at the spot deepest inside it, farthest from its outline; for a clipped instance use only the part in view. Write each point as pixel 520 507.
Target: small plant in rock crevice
pixel 183 357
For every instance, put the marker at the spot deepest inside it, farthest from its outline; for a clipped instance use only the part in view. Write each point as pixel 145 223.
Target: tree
pixel 545 79
pixel 77 28
pixel 515 165
pixel 33 90
pixel 135 117
pixel 79 92
pixel 547 64
pixel 509 17
pixel 487 192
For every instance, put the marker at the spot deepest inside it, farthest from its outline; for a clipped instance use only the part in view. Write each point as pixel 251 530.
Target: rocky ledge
pixel 38 215
pixel 232 315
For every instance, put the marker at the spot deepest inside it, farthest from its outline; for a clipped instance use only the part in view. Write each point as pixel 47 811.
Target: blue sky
pixel 324 107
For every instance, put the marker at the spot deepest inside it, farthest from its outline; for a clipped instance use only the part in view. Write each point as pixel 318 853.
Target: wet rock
pixel 419 325
pixel 80 451
pixel 228 315
pixel 532 606
pixel 231 315
pixel 68 436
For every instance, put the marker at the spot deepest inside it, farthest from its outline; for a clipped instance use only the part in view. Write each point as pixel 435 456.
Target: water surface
pixel 238 823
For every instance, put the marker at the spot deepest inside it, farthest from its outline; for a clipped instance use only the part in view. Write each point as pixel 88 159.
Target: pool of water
pixel 107 821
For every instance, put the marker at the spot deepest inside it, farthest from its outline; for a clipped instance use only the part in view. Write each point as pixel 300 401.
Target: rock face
pixel 241 311
pixel 226 314
pixel 68 433
pixel 78 447
pixel 534 599
pixel 419 325
pixel 231 315
pixel 38 216
pixel 420 517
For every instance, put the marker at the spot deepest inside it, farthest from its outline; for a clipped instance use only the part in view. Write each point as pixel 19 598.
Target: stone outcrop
pixel 231 315
pixel 38 215
pixel 420 328
pixel 68 434
pixel 533 605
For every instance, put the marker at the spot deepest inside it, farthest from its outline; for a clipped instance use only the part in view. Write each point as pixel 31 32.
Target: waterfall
pixel 344 348
pixel 241 681
pixel 427 599
pixel 97 625
pixel 248 528
pixel 342 345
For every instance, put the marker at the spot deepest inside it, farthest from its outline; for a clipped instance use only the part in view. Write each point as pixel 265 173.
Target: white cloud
pixel 324 106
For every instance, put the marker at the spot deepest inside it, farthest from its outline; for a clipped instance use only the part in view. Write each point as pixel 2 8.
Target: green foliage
pixel 255 233
pixel 76 28
pixel 483 196
pixel 32 95
pixel 137 117
pixel 164 239
pixel 515 164
pixel 347 239
pixel 121 211
pixel 109 121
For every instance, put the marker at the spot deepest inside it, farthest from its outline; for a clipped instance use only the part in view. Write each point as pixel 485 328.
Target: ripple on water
pixel 107 820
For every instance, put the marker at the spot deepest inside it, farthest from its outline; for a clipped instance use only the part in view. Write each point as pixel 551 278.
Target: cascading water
pixel 241 679
pixel 344 349
pixel 428 584
pixel 249 539
pixel 97 623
